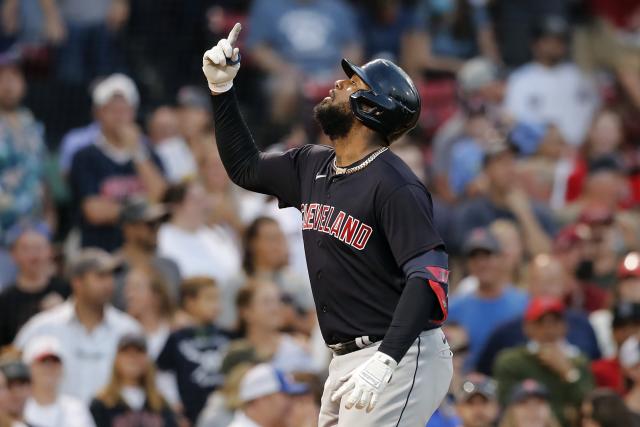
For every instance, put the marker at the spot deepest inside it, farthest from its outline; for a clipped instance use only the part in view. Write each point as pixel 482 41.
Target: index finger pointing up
pixel 233 35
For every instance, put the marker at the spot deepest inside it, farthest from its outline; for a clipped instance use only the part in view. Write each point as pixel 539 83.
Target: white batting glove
pixel 365 383
pixel 221 63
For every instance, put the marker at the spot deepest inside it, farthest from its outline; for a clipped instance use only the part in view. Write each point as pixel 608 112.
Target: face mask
pixel 442 7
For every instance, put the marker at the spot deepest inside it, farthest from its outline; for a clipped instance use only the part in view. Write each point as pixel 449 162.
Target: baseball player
pixel 378 268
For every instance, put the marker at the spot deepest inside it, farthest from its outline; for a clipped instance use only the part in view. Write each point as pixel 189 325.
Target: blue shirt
pixel 309 34
pixel 466 164
pixel 480 316
pixel 383 40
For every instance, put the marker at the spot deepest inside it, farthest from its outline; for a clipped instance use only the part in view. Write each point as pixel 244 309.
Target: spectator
pixel 261 319
pixel 36 288
pixel 5 418
pixel 194 354
pixel 571 248
pixel 197 249
pixel 47 407
pixel 195 120
pixel 494 301
pixel 163 127
pixel 607 41
pixel 452 31
pixel 223 403
pixel 87 326
pixel 604 408
pixel 529 406
pixel 22 163
pixel 385 25
pixel 550 90
pixel 148 301
pixel 225 201
pixel 608 372
pixel 19 388
pixel 264 392
pixel 504 199
pixel 140 222
pixel 630 363
pixel 131 396
pixel 626 291
pixel 117 166
pixel 546 280
pixel 90 48
pixel 266 258
pixel 548 358
pixel 476 401
pixel 299 43
pixel 510 240
pixel 480 88
pixel 604 139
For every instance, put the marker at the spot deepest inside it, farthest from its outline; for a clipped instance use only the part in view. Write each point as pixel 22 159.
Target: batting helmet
pixel 391 106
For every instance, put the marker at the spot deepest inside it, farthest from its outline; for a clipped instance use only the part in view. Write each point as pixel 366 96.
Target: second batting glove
pixel 221 63
pixel 364 384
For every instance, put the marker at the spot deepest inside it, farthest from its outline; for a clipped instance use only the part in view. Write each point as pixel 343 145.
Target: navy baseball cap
pixel 529 388
pixel 480 239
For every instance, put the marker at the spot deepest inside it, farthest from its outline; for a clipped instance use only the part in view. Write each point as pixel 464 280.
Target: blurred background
pixel 140 287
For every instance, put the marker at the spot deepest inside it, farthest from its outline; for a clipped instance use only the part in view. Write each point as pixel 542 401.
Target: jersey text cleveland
pixel 344 227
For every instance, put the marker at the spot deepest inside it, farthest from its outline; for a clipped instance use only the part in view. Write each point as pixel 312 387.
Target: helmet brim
pixel 350 69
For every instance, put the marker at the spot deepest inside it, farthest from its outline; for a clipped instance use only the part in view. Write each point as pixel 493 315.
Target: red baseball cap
pixel 570 235
pixel 540 306
pixel 630 266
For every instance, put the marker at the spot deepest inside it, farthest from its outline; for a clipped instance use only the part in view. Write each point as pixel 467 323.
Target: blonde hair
pixel 110 395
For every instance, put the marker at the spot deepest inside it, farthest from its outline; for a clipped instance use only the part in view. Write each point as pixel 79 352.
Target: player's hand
pixel 221 63
pixel 363 385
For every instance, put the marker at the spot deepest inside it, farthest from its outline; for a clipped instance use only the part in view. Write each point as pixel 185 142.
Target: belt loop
pixel 366 340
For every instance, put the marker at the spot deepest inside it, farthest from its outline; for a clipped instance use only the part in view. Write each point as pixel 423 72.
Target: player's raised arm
pixel 246 165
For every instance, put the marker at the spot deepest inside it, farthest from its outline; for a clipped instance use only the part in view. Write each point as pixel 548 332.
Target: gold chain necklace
pixel 371 158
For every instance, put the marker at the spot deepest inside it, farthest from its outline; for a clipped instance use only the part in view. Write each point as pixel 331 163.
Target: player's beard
pixel 335 120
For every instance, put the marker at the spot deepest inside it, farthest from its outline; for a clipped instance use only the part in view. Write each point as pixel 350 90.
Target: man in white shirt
pixel 87 326
pixel 264 392
pixel 550 90
pixel 46 407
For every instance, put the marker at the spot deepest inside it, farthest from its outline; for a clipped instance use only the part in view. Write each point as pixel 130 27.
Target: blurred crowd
pixel 140 287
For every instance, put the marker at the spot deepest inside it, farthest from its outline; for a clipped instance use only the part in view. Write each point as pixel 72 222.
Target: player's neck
pixel 354 147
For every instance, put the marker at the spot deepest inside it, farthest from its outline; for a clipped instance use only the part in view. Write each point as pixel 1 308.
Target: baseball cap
pixel 477 73
pixel 15 370
pixel 629 266
pixel 194 97
pixel 133 340
pixel 551 25
pixel 539 306
pixel 596 215
pixel 41 347
pixel 480 239
pixel 570 235
pixel 92 259
pixel 529 388
pixel 625 312
pixel 139 210
pixel 263 380
pixel 17 230
pixel 116 84
pixel 474 384
pixel 629 353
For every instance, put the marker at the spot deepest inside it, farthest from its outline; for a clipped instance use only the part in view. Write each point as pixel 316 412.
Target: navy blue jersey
pixel 358 229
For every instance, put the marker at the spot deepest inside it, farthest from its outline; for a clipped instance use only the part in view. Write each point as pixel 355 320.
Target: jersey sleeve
pixel 275 174
pixel 406 219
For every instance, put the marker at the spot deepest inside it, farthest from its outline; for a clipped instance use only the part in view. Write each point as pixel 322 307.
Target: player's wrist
pixel 218 88
pixel 385 359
